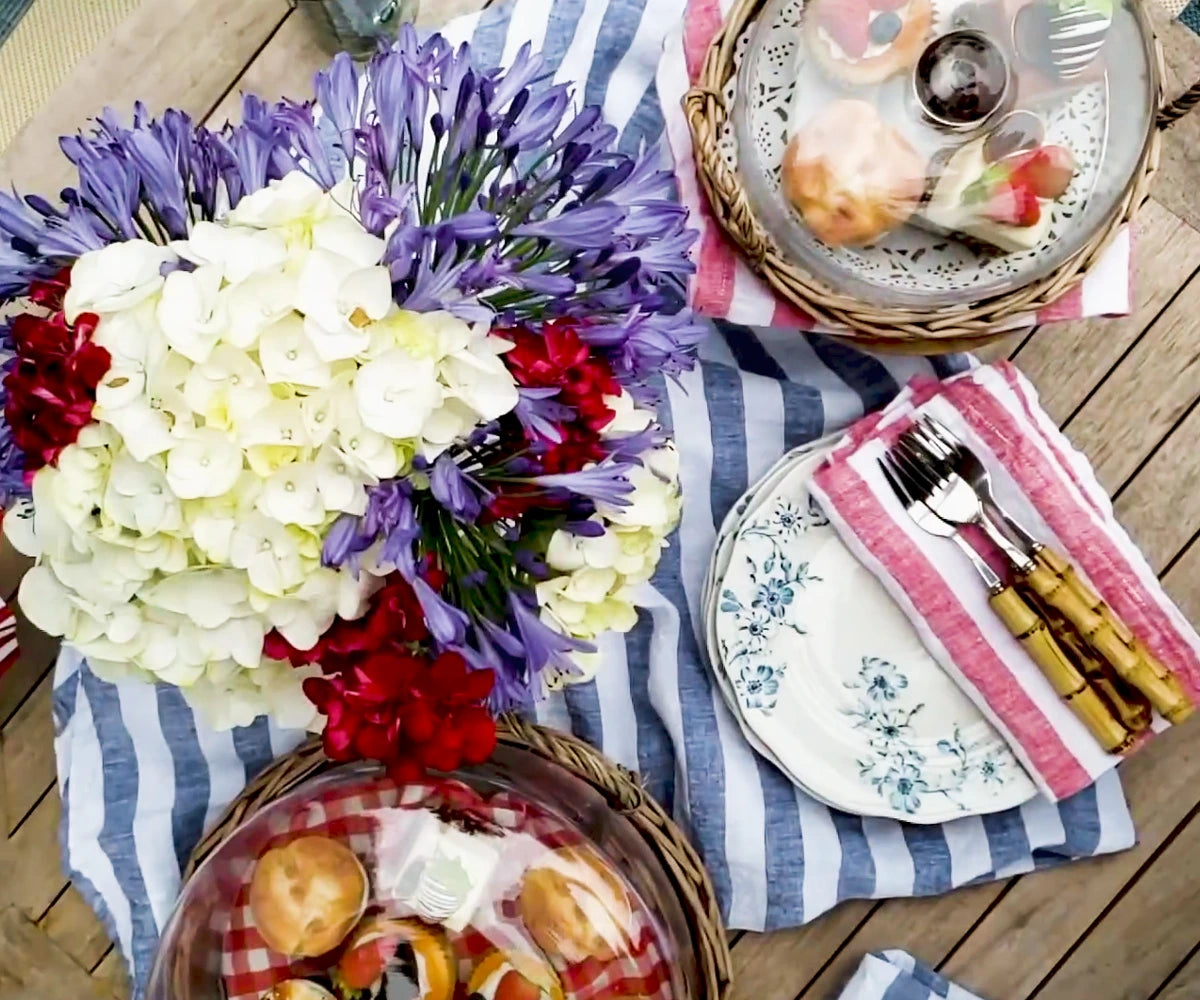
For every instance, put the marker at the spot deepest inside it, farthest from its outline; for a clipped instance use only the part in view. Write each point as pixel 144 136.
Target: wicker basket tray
pixel 619 788
pixel 907 330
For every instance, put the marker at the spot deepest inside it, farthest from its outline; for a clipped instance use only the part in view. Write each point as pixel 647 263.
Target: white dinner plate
pixel 832 679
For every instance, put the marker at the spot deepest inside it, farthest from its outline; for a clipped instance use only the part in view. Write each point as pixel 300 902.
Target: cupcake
pixel 575 907
pixel 396 958
pixel 306 896
pixel 863 42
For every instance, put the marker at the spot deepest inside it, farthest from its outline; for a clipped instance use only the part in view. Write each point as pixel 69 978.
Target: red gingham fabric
pixel 250 968
pixel 9 650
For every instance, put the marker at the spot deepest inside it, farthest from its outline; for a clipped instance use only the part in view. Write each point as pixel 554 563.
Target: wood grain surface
pixel 1125 390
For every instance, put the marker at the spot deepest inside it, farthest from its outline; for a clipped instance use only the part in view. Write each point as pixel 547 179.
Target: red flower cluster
pixel 52 388
pixel 557 358
pixel 384 699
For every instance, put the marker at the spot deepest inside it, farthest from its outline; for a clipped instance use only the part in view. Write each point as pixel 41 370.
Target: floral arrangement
pixel 345 414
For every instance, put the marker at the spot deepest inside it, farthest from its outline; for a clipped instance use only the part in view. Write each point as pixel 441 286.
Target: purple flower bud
pixel 447 624
pixel 591 227
pixel 544 647
pixel 455 490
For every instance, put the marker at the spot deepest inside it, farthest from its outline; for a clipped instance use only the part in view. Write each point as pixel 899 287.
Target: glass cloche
pixel 511 881
pixel 926 153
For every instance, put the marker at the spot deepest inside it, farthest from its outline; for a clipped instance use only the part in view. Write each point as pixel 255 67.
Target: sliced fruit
pixel 1013 205
pixel 1047 170
pixel 849 25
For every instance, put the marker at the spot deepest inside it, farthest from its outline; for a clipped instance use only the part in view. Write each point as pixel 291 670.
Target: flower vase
pixel 357 26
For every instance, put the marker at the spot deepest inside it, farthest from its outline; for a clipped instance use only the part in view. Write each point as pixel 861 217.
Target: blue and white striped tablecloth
pixel 141 779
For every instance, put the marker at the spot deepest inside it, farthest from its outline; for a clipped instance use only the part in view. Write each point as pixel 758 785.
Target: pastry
pixel 307 896
pixel 298 989
pixel 1004 203
pixel 851 176
pixel 396 959
pixel 514 976
pixel 575 907
pixel 861 42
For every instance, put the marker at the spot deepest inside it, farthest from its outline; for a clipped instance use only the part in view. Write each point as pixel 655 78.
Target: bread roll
pixel 851 176
pixel 576 907
pixel 307 896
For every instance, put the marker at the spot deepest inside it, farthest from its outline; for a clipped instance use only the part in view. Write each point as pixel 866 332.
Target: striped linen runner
pixel 896 975
pixel 141 779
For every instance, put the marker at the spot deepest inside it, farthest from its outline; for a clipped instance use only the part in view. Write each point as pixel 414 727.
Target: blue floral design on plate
pixel 899 770
pixel 758 685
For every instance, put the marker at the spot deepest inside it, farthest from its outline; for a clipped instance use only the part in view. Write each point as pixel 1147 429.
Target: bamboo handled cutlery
pixel 1091 658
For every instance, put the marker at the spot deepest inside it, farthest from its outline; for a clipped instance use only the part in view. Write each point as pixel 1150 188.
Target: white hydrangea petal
pixel 293 198
pixel 45 601
pixel 191 312
pixel 206 464
pixel 288 355
pixel 116 277
pixel 345 237
pixel 291 496
pixel 236 251
pixel 396 393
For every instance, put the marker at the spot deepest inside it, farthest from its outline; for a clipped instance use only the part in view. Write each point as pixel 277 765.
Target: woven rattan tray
pixel 908 330
pixel 620 789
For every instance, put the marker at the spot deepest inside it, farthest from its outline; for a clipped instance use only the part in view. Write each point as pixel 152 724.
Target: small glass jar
pixel 357 26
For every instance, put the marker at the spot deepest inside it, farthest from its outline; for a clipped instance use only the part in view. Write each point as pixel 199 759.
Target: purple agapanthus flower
pixel 447 624
pixel 455 490
pixel 544 647
pixel 606 482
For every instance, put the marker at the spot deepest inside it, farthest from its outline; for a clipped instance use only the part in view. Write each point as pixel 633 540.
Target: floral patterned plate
pixel 711 595
pixel 831 678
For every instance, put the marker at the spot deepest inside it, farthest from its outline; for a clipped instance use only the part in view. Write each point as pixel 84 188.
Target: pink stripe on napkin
pixel 725 288
pixel 1049 486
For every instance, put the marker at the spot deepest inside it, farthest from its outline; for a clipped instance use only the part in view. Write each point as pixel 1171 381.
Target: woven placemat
pixel 48 39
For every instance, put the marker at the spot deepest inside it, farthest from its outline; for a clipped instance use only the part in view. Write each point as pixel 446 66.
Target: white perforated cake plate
pixel 780 87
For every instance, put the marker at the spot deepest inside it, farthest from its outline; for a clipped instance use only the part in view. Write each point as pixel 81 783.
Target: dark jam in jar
pixel 961 79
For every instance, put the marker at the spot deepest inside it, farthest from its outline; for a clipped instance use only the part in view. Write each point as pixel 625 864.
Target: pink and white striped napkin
pixel 724 287
pixel 1050 487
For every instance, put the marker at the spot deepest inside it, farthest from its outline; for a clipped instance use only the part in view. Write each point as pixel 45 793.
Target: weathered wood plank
pixel 27 754
pixel 37 652
pixel 779 966
pixel 1131 952
pixel 31 876
pixel 1146 394
pixel 114 975
pixel 1066 361
pixel 32 966
pixel 926 928
pixel 1175 185
pixel 71 924
pixel 1026 934
pixel 167 53
pixel 1161 507
pixel 1185 983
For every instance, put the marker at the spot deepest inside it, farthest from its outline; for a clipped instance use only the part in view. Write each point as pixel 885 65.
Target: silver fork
pixel 907 492
pixel 938 438
pixel 911 485
pixel 951 497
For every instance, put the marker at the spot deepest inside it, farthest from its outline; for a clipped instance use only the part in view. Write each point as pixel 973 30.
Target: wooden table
pixel 1126 391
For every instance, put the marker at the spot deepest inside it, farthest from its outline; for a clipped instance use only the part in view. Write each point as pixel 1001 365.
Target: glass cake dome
pixel 930 153
pixel 511 881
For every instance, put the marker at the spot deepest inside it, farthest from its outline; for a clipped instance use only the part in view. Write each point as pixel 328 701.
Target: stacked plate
pixel 826 676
